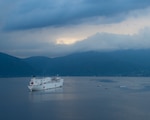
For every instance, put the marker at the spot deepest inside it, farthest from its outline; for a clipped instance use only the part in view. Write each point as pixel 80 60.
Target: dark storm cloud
pixel 28 14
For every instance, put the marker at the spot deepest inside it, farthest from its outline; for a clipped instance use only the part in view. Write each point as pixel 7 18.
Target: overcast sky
pixel 60 27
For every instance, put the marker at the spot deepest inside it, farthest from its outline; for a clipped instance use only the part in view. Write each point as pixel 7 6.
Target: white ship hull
pixel 38 84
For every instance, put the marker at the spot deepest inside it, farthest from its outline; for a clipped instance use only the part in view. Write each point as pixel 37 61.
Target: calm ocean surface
pixel 81 98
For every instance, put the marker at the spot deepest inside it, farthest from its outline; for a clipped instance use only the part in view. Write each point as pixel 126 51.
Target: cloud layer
pixel 54 28
pixel 29 14
pixel 96 42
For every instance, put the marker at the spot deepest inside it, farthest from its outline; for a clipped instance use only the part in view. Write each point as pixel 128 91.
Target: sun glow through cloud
pixel 66 41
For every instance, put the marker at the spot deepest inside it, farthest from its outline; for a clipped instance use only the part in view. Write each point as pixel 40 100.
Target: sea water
pixel 81 98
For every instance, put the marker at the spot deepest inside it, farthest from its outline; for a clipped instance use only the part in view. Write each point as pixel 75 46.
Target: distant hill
pixel 114 63
pixel 40 64
pixel 14 67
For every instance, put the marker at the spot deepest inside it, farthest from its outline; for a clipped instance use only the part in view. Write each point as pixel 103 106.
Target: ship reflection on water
pixel 46 95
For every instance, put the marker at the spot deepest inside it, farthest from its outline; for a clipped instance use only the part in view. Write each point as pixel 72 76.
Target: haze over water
pixel 81 98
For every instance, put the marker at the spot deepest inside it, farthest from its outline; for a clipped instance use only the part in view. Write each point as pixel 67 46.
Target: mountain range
pixel 92 63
